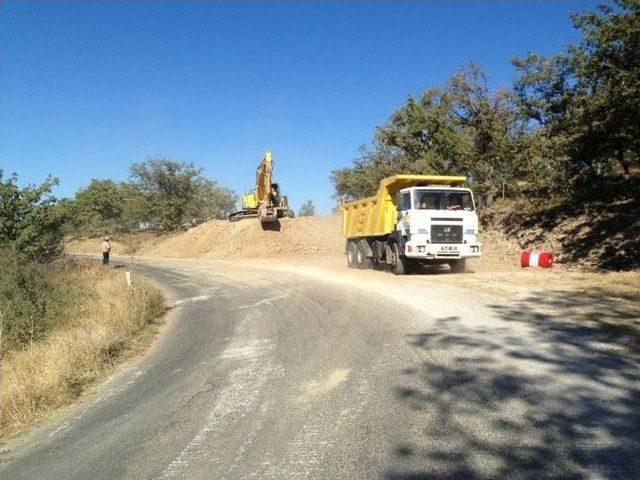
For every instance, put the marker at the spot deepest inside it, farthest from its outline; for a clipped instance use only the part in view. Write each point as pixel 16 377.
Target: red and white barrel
pixel 536 259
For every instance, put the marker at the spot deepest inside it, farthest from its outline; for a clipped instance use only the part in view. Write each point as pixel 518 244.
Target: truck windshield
pixel 442 200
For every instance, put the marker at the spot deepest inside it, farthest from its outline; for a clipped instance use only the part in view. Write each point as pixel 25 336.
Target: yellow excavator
pixel 266 202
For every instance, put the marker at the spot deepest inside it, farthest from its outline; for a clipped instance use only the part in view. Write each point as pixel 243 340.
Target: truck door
pixel 403 216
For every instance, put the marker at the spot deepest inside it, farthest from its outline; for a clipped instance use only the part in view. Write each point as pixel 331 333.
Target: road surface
pixel 291 373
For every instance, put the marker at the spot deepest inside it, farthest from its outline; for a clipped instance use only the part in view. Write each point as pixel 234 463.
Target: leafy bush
pixel 92 319
pixel 31 223
pixel 34 297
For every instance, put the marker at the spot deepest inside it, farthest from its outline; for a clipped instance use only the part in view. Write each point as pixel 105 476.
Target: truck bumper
pixel 439 251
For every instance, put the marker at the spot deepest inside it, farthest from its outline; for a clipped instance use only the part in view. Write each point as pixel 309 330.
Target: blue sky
pixel 87 88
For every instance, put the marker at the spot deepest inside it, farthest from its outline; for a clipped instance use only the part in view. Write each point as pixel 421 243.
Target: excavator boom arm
pixel 263 180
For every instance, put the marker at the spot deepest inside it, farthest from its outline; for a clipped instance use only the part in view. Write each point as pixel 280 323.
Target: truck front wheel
pixel 352 253
pixel 400 264
pixel 458 266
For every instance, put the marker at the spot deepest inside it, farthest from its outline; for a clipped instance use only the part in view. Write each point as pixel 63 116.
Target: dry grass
pixel 53 372
pixel 93 246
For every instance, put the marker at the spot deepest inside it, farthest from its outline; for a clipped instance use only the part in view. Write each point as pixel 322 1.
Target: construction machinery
pixel 413 219
pixel 265 202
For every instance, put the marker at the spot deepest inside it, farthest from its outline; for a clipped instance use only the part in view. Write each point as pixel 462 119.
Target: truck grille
pixel 446 233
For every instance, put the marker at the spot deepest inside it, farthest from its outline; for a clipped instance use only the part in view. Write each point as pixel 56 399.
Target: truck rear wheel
pixel 400 264
pixel 363 261
pixel 352 253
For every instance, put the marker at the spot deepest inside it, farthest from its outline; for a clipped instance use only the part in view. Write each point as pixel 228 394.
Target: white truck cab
pixel 438 222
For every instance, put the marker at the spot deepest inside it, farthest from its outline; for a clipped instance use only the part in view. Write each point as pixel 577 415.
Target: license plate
pixel 448 248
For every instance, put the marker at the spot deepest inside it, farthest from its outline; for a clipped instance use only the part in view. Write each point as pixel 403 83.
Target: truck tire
pixel 458 266
pixel 352 253
pixel 400 265
pixel 362 260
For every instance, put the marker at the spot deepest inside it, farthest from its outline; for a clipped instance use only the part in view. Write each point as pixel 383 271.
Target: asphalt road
pixel 283 375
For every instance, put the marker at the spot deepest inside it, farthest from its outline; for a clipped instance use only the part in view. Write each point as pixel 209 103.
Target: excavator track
pixel 242 214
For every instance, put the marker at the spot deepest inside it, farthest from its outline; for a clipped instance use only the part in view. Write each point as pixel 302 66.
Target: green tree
pixel 171 194
pixel 492 126
pixel 308 209
pixel 211 201
pixel 461 128
pixel 362 178
pixel 166 188
pixel 586 100
pixel 30 221
pixel 97 208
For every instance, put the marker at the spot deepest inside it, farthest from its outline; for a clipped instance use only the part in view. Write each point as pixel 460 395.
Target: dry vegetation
pixel 102 327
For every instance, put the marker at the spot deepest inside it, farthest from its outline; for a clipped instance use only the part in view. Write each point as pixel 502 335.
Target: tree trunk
pixel 624 162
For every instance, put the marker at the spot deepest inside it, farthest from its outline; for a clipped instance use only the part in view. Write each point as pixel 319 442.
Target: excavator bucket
pixel 268 214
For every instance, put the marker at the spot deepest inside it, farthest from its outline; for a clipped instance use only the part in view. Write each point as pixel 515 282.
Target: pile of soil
pixel 221 239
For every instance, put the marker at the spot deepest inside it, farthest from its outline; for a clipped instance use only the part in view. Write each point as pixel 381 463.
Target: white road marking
pixel 262 302
pixel 233 401
pixel 318 388
pixel 190 299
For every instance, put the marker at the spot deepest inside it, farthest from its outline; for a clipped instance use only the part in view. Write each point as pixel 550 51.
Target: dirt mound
pixel 291 237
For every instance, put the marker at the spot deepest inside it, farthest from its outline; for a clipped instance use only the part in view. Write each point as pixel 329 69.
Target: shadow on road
pixel 558 400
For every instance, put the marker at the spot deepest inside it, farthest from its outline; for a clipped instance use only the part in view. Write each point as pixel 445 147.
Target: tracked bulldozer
pixel 266 202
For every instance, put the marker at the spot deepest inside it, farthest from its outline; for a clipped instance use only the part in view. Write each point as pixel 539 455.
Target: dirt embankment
pixel 598 235
pixel 291 238
pixel 301 240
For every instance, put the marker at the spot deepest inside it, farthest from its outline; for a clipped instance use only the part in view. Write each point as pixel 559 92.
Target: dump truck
pixel 265 202
pixel 412 220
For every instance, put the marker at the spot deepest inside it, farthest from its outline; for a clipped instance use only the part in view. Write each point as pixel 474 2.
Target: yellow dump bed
pixel 376 216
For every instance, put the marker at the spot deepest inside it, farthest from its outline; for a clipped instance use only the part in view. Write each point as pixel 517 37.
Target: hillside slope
pixel 600 234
